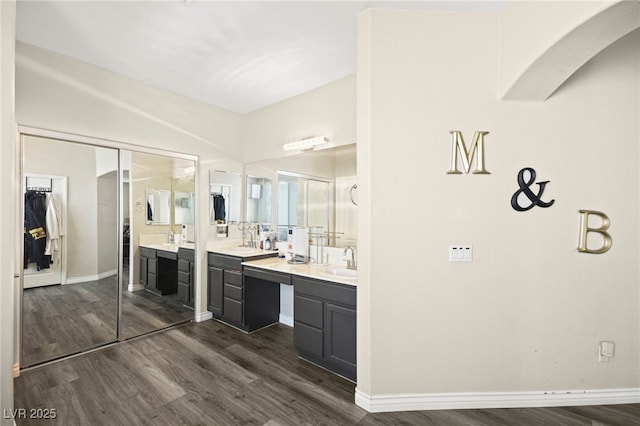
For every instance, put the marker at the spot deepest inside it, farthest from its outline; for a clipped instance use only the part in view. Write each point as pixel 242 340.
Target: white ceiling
pixel 238 55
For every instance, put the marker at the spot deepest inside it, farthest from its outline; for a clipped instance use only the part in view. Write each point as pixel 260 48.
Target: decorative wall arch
pixel 556 64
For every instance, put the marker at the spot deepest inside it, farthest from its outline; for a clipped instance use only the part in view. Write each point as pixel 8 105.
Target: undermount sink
pixel 243 249
pixel 341 272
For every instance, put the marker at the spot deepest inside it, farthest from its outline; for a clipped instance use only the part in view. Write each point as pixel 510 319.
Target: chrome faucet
pixel 247 228
pixel 351 263
pixel 244 234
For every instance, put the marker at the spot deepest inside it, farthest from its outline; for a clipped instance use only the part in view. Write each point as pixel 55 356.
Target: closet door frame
pixel 23 131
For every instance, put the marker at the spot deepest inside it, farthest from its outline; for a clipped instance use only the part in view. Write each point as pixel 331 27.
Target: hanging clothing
pixel 53 229
pixel 218 207
pixel 35 235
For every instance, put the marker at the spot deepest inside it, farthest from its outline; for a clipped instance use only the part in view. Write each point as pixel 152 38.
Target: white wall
pixel 527 314
pixel 8 297
pixel 326 111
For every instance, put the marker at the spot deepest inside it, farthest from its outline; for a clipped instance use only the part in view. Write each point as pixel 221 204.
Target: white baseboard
pixel 286 320
pixel 203 316
pixel 135 287
pixel 88 278
pixel 458 401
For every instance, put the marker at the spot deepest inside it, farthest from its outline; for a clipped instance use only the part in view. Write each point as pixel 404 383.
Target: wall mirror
pixel 259 195
pixel 225 197
pixel 314 189
pixel 158 206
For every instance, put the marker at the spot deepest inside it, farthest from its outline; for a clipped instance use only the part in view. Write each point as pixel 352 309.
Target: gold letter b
pixel 584 230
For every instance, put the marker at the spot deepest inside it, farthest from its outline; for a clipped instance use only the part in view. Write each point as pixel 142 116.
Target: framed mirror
pixel 183 203
pixel 259 196
pixel 225 197
pixel 158 206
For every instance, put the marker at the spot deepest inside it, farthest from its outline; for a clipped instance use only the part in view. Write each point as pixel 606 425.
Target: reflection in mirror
pixel 225 197
pixel 158 206
pixel 154 298
pixel 184 207
pixel 305 182
pixel 70 280
pixel 304 202
pixel 259 200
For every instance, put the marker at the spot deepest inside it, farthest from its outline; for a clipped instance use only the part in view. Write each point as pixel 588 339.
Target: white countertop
pixel 241 251
pixel 169 247
pixel 308 270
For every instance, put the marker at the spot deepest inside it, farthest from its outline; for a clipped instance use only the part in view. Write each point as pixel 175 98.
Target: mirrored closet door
pixel 158 273
pixel 70 256
pixel 108 249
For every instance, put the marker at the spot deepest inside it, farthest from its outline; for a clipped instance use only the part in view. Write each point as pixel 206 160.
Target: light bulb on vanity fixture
pixel 305 144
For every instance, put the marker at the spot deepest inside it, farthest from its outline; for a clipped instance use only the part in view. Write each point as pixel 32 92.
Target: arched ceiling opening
pixel 564 57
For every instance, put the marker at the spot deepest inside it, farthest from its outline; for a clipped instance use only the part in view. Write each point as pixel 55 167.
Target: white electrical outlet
pixel 460 253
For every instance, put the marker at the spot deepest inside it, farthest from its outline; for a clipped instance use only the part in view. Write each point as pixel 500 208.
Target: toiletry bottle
pixel 267 244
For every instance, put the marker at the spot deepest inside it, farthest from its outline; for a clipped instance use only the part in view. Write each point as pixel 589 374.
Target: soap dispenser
pixel 267 243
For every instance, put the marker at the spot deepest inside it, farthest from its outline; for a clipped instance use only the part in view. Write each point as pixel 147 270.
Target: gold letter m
pixel 457 144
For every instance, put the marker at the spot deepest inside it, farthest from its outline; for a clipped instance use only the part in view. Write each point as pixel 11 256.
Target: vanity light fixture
pixel 305 144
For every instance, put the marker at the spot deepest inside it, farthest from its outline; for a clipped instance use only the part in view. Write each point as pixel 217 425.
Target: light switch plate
pixel 605 350
pixel 461 253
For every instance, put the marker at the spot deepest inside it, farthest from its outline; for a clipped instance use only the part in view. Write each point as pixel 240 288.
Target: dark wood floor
pixel 64 319
pixel 211 374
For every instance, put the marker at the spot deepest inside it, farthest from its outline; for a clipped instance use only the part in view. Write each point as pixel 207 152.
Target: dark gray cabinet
pixel 158 270
pixel 233 301
pixel 215 295
pixel 325 324
pixel 148 268
pixel 186 276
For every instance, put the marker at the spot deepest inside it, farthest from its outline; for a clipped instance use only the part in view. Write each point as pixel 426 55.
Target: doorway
pixel 54 191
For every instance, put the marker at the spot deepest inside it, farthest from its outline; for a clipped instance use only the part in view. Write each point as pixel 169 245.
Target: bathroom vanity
pixel 158 270
pixel 168 269
pixel 228 299
pixel 244 291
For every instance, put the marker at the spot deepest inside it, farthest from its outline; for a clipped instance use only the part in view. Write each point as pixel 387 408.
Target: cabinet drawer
pixel 184 277
pixel 167 254
pixel 148 252
pixel 276 277
pixel 186 254
pixel 184 265
pixel 152 266
pixel 308 339
pixel 328 291
pixel 233 292
pixel 225 262
pixel 233 310
pixel 233 278
pixel 307 311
